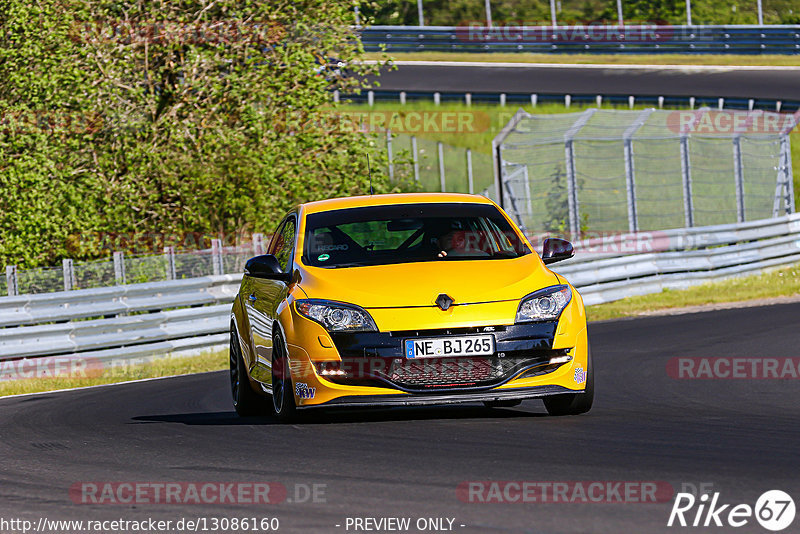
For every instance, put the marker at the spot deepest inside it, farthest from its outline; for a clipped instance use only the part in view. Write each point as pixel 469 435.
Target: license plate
pixel 439 347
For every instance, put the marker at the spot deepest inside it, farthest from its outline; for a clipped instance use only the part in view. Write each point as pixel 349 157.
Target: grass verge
pixel 776 283
pixel 119 372
pixel 774 60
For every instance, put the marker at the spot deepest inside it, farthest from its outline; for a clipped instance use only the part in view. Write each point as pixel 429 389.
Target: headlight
pixel 544 305
pixel 336 316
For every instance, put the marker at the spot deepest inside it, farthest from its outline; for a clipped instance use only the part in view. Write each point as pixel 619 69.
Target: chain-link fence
pixel 123 269
pixel 603 170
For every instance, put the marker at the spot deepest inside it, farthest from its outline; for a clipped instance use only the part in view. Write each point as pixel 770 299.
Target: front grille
pixel 449 372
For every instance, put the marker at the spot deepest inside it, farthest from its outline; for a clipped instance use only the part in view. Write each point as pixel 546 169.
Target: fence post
pixel 572 182
pixel 415 157
pixel 440 146
pixel 686 176
pixel 11 280
pixel 470 183
pixel 69 274
pixel 784 189
pixel 119 268
pixel 169 255
pixel 630 172
pixel 258 244
pixel 389 154
pixel 216 256
pixel 402 98
pixel 738 173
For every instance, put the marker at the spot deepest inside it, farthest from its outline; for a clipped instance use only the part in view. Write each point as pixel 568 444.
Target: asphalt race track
pixel 742 436
pixel 739 82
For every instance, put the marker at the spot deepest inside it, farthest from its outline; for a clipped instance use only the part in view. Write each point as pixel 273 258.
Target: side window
pixel 282 244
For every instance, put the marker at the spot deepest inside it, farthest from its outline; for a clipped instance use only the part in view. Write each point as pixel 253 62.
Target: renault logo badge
pixel 444 301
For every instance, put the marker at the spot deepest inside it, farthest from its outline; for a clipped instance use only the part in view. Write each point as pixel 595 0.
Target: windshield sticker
pixel 323 257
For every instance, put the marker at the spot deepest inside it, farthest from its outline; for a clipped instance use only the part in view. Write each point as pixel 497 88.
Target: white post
pixel 598 100
pixel 534 99
pixel 169 255
pixel 419 13
pixel 258 244
pixel 12 284
pixel 119 268
pixel 415 157
pixel 389 154
pixel 619 14
pixel 336 95
pixel 738 173
pixel 760 14
pixel 69 274
pixel 440 146
pixel 371 98
pixel 553 13
pixel 688 12
pixel 216 256
pixel 502 99
pixel 686 175
pixel 468 99
pixel 470 183
pixel 358 18
pixel 489 13
pixel 402 98
pixel 572 182
pixel 437 98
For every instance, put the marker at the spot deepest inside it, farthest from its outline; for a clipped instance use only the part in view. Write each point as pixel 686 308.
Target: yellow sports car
pixel 407 299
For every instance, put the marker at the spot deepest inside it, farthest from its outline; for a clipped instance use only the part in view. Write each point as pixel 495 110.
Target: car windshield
pixel 381 235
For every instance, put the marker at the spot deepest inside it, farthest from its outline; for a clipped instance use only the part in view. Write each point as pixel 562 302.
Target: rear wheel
pixel 574 403
pixel 283 404
pixel 245 400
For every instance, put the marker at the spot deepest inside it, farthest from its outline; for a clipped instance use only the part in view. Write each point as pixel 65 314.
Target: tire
pixel 283 406
pixel 574 403
pixel 502 403
pixel 245 401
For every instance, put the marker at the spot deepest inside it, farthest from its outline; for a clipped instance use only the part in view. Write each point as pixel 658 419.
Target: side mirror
pixel 555 249
pixel 266 266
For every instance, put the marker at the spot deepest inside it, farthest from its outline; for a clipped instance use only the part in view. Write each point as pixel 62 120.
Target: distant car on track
pixel 407 299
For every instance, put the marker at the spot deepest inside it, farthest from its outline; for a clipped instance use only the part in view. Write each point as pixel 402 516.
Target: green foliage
pixel 170 117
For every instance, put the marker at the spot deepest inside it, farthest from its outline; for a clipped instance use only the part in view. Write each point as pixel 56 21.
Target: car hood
pixel 418 284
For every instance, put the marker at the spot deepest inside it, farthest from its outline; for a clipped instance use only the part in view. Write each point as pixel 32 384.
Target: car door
pixel 264 297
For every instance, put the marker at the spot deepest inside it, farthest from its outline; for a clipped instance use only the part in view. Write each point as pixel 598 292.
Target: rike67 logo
pixel 774 510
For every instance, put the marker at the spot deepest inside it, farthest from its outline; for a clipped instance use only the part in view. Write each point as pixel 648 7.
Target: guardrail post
pixel 686 175
pixel 169 255
pixel 12 284
pixel 468 99
pixel 371 98
pixel 216 256
pixel 336 95
pixel 119 268
pixel 415 157
pixel 258 245
pixel 738 173
pixel 402 98
pixel 437 98
pixel 389 154
pixel 534 99
pixel 440 147
pixel 470 183
pixel 69 274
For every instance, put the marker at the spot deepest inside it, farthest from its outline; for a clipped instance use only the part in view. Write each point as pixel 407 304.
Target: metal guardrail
pixel 744 39
pixel 145 320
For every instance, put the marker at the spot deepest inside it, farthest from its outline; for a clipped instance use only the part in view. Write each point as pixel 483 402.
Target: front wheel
pixel 283 405
pixel 574 403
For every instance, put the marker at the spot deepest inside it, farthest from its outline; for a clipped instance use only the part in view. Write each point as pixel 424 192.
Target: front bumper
pixel 378 374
